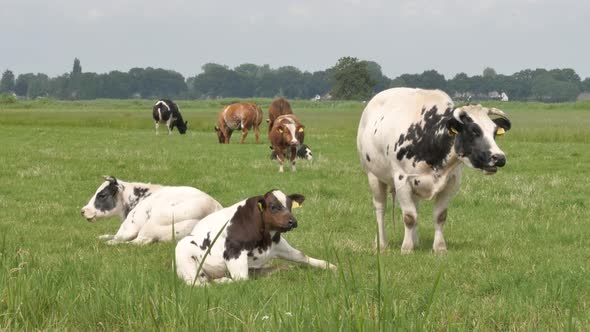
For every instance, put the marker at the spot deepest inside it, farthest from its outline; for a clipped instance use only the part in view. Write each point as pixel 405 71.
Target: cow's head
pixel 475 133
pixel 182 126
pixel 276 208
pixel 106 202
pixel 292 132
pixel 304 152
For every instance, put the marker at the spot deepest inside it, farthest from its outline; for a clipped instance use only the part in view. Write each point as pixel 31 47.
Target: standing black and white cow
pixel 166 111
pixel 243 236
pixel 149 212
pixel 416 142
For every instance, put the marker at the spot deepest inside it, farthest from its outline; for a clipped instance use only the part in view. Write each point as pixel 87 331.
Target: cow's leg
pixel 292 157
pixel 244 134
pixel 441 204
pixel 285 251
pixel 127 232
pixel 157 126
pixel 187 264
pixel 106 237
pixel 227 133
pixel 409 206
pixel 379 190
pixel 238 268
pixel 168 125
pixel 156 232
pixel 280 159
pixel 257 133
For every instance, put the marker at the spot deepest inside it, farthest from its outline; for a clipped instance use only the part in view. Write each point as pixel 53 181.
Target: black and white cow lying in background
pixel 148 210
pixel 166 111
pixel 416 142
pixel 303 152
pixel 249 236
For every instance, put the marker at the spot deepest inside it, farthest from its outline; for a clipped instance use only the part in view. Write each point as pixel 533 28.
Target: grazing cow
pixel 277 108
pixel 166 111
pixel 303 152
pixel 285 136
pixel 242 116
pixel 416 142
pixel 243 236
pixel 149 212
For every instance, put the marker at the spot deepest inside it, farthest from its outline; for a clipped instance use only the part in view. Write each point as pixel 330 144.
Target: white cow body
pixel 405 142
pixel 150 212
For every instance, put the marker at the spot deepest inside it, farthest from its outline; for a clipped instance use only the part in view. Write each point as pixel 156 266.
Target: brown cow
pixel 285 136
pixel 278 107
pixel 242 116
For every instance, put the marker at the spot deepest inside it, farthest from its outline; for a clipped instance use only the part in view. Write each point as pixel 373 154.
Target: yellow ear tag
pixel 500 131
pixel 452 131
pixel 280 130
pixel 300 130
pixel 260 206
pixel 295 204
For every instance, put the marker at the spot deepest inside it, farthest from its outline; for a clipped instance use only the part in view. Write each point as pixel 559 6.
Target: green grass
pixel 518 241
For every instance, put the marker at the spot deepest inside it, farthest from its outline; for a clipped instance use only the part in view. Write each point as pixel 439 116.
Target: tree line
pixel 349 78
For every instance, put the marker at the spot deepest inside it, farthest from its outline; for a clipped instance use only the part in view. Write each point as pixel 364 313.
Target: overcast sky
pixel 403 36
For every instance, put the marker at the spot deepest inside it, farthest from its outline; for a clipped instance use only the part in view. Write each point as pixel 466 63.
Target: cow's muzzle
pixel 497 160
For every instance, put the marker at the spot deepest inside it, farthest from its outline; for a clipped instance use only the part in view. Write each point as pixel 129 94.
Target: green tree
pixel 7 82
pixel 489 72
pixel 382 81
pixel 546 88
pixel 352 79
pixel 585 86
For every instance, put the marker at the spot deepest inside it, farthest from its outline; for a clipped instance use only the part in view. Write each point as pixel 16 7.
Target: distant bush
pixel 6 99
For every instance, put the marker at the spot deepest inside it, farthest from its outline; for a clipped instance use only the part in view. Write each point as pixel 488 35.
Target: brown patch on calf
pixel 442 217
pixel 251 224
pixel 409 220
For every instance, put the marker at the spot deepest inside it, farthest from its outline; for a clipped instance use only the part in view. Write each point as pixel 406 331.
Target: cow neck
pixel 134 193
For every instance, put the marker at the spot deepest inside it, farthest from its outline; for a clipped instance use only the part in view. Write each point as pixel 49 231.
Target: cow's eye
pixel 274 208
pixel 101 196
pixel 475 133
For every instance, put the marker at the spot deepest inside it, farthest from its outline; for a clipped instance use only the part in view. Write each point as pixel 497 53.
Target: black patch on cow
pixel 387 150
pixel 368 158
pixel 148 214
pixel 250 253
pixel 382 117
pixel 401 177
pixel 423 143
pixel 195 243
pixel 206 242
pixel 375 132
pixel 202 275
pixel 244 230
pixel 416 182
pixel 276 238
pixel 106 199
pixel 140 192
pixel 255 258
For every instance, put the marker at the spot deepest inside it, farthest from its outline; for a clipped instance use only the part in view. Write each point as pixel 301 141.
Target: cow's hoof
pixel 106 237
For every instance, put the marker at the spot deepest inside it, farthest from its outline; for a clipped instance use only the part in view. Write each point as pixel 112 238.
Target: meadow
pixel 518 242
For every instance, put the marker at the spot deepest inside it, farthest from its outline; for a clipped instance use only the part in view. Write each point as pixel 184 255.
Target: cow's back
pixel 387 116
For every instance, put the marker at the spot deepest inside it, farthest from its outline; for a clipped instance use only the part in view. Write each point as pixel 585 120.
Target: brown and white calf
pixel 286 135
pixel 243 236
pixel 277 108
pixel 149 212
pixel 244 116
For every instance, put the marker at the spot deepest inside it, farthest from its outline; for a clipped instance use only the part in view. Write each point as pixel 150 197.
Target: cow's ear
pixel 280 130
pixel 454 126
pixel 503 126
pixel 261 204
pixel 110 179
pixel 296 200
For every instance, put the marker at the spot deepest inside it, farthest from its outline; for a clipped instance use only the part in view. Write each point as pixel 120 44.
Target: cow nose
pixel 294 142
pixel 292 223
pixel 82 212
pixel 498 160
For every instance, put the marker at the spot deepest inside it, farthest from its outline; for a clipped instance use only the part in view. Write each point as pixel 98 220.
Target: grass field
pixel 519 241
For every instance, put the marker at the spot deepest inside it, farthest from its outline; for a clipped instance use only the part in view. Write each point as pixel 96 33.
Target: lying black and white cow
pixel 166 111
pixel 148 210
pixel 249 236
pixel 416 142
pixel 303 152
